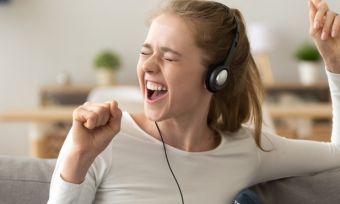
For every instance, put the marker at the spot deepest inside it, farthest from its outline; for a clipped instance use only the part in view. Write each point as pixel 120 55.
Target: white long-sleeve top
pixel 133 168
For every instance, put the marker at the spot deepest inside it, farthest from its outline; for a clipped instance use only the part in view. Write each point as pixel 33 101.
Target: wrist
pixel 75 167
pixel 333 65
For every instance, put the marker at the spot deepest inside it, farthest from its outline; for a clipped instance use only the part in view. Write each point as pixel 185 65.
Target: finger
pixel 326 30
pixel 89 103
pixel 336 26
pixel 315 2
pixel 312 12
pixel 102 111
pixel 116 115
pixel 321 12
pixel 87 118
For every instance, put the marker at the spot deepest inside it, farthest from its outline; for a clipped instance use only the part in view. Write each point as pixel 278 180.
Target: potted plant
pixel 106 63
pixel 309 65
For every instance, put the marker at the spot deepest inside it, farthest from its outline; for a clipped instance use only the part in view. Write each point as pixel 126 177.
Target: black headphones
pixel 217 75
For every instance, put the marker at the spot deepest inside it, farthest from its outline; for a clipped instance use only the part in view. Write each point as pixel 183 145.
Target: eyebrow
pixel 163 49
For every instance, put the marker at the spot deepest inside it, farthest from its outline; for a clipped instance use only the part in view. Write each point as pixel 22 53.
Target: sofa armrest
pixel 25 180
pixel 319 188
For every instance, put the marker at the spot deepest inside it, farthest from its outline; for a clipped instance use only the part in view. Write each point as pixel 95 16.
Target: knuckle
pixel 323 5
pixel 94 115
pixel 107 105
pixel 76 111
pixel 101 111
pixel 86 103
pixel 337 19
pixel 330 13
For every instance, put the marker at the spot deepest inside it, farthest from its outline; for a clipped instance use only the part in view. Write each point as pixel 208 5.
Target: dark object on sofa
pixel 247 196
pixel 27 180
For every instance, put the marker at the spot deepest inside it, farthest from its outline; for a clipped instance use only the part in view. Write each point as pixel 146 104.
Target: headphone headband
pixel 233 46
pixel 217 75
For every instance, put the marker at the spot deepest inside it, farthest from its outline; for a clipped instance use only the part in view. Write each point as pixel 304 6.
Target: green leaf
pixel 107 59
pixel 307 52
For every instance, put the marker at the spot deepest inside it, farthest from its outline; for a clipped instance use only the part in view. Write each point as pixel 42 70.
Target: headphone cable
pixel 167 160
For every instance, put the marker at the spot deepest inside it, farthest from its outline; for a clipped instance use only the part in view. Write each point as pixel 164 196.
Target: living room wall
pixel 39 39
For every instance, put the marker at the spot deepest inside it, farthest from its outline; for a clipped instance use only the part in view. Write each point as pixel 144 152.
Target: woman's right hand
pixel 94 126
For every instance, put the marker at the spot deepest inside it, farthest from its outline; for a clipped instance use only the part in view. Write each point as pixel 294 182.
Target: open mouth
pixel 155 90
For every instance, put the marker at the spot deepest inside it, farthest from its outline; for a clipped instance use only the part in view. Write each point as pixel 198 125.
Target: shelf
pixel 296 85
pixel 305 110
pixel 40 114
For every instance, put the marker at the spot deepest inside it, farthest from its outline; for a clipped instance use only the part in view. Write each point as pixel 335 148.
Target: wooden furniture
pixel 49 127
pixel 317 92
pixel 301 111
pixel 51 121
pixel 54 116
pixel 49 114
pixel 307 111
pixel 64 94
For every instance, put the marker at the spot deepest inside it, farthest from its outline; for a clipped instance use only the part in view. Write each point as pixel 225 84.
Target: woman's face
pixel 170 71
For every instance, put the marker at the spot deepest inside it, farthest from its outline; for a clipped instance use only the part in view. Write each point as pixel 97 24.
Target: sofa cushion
pixel 319 188
pixel 25 180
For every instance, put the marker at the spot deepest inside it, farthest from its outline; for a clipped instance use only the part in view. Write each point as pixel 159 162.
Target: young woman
pixel 200 84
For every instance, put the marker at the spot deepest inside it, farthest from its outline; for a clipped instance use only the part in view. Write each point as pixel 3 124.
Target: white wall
pixel 39 39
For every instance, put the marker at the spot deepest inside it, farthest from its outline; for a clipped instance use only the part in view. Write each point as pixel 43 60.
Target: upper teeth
pixel 155 87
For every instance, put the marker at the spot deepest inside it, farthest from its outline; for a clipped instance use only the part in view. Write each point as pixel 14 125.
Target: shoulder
pixel 130 132
pixel 244 133
pixel 129 125
pixel 239 141
pixel 246 136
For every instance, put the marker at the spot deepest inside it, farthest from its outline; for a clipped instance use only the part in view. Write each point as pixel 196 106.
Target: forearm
pixel 75 175
pixel 334 85
pixel 75 167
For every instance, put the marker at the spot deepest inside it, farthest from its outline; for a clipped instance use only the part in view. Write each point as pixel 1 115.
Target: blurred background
pixel 48 49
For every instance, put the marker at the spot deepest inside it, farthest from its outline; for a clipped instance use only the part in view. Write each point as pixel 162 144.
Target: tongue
pixel 157 94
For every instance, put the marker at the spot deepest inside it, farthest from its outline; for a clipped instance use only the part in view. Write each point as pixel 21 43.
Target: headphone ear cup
pixel 216 78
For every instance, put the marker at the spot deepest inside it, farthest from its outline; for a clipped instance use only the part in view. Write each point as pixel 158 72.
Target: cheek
pixel 140 75
pixel 187 85
pixel 140 72
pixel 192 78
pixel 139 66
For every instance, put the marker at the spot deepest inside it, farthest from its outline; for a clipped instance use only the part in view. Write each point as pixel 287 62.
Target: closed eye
pixel 170 60
pixel 145 51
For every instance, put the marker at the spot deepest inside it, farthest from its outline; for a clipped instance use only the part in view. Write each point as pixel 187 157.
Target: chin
pixel 153 115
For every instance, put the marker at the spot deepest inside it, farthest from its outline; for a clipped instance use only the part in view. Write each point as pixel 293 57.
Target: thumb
pixel 115 117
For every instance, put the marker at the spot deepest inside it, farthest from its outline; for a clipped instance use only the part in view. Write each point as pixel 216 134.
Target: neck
pixel 189 133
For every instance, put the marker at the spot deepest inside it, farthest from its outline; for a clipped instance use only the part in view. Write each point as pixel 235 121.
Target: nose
pixel 151 64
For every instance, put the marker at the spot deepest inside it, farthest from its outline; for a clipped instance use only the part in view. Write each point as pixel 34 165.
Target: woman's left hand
pixel 325 30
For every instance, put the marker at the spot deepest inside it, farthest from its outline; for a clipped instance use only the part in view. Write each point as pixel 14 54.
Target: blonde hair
pixel 214 28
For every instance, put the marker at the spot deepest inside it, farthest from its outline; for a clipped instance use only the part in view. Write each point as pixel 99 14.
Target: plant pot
pixel 106 77
pixel 309 72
